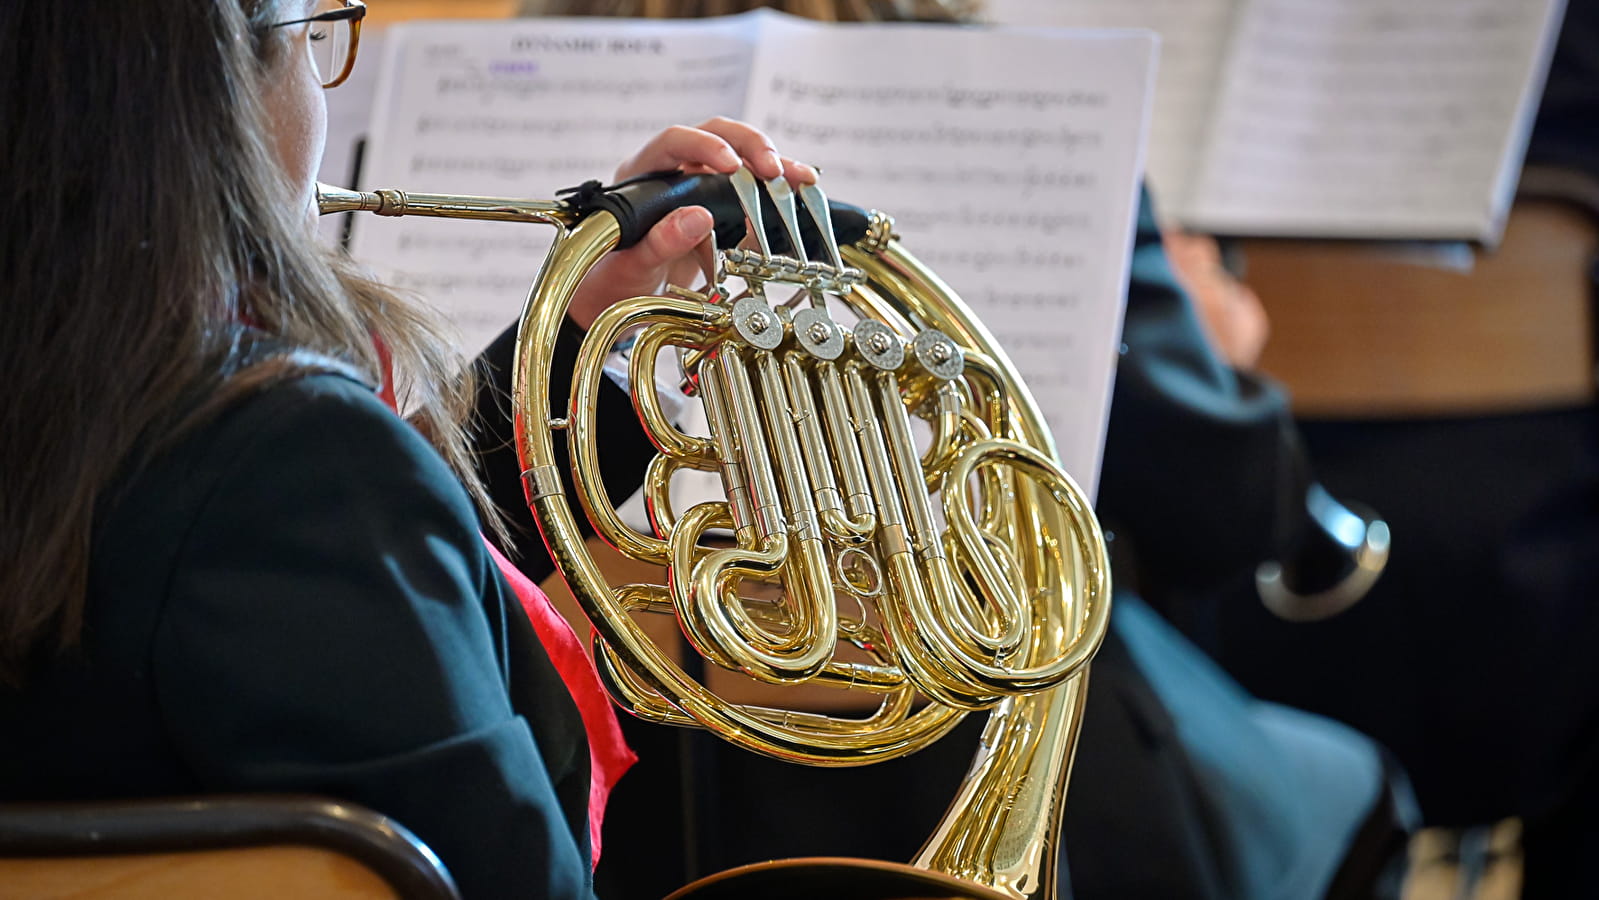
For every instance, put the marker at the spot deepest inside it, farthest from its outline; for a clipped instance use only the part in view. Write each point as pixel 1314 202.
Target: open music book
pixel 1334 118
pixel 1010 159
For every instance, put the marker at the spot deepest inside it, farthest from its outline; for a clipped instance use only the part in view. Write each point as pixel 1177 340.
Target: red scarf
pixel 609 755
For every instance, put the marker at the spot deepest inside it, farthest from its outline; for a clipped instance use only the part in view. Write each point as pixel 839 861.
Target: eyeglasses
pixel 335 36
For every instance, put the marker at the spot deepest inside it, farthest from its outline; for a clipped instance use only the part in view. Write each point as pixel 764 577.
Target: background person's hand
pixel 1234 319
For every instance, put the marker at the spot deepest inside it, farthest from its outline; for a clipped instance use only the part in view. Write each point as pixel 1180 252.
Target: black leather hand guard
pixel 639 203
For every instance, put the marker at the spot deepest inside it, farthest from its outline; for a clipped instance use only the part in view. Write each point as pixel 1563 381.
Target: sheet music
pixel 1009 159
pixel 1194 35
pixel 1375 118
pixel 524 108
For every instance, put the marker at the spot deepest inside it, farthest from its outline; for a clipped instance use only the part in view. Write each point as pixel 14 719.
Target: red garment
pixel 609 755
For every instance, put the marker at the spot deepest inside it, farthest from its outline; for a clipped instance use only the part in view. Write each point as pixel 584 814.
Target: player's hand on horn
pixel 677 249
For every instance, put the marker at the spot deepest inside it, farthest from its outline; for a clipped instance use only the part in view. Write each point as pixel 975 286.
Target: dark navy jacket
pixel 296 598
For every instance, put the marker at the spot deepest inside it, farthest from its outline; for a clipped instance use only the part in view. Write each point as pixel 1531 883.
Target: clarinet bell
pixel 1340 555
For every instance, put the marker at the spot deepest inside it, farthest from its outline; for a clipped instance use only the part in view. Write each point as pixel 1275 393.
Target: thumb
pixel 640 269
pixel 671 239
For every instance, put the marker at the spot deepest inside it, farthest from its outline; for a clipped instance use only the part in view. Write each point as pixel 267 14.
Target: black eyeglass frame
pixel 353 12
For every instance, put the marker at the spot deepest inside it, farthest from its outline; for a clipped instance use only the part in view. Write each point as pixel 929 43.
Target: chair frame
pixel 189 824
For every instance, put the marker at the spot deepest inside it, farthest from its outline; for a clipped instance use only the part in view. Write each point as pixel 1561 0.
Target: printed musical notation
pixel 1009 158
pixel 1375 119
pixel 1193 35
pixel 1334 118
pixel 523 109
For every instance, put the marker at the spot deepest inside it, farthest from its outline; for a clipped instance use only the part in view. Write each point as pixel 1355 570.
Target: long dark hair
pixel 144 219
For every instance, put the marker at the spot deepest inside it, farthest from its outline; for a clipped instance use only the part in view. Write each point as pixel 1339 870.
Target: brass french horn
pixel 945 568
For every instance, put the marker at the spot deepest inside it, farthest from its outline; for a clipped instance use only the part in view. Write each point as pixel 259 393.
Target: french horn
pixel 895 519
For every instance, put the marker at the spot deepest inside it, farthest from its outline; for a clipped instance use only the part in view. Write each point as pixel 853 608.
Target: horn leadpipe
pixel 388 202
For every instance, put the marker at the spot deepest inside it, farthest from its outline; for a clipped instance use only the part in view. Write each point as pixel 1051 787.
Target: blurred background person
pixel 1460 404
